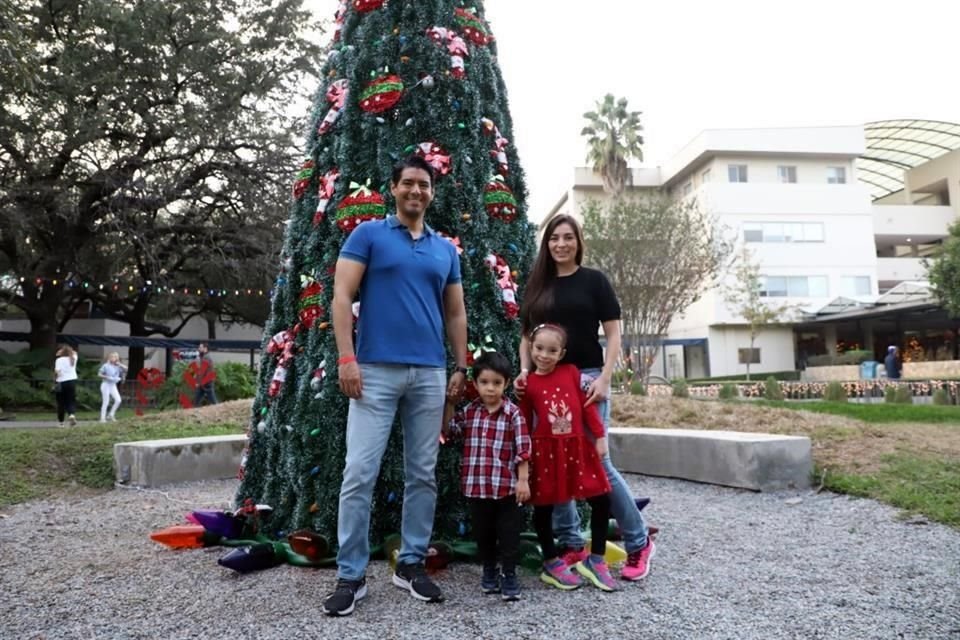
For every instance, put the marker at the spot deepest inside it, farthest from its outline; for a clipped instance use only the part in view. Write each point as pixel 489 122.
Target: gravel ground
pixel 730 564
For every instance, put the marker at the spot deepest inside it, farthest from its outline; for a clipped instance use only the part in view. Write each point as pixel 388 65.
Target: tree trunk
pixel 42 304
pixel 750 355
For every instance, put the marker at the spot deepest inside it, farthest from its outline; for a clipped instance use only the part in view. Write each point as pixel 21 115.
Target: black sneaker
pixel 345 597
pixel 413 578
pixel 510 586
pixel 490 582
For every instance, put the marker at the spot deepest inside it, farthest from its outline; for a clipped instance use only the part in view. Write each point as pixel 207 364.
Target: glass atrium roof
pixel 896 145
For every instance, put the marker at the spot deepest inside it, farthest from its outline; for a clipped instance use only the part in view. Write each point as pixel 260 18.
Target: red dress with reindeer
pixel 564 464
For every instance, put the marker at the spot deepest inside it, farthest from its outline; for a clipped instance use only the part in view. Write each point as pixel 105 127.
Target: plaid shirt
pixel 493 444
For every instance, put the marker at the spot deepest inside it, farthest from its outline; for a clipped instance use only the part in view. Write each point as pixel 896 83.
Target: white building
pixel 828 212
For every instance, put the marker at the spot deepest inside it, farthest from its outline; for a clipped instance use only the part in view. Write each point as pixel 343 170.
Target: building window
pixel 737 172
pixel 687 188
pixel 787 174
pixel 705 176
pixel 793 286
pixel 783 232
pixel 836 175
pixel 855 286
pixel 751 356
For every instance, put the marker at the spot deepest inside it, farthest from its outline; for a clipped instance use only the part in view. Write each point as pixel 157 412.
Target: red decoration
pixel 327 185
pixel 303 179
pixel 338 19
pixel 499 201
pixel 454 241
pixel 381 94
pixel 363 204
pixel 364 6
pixel 508 288
pixel 310 308
pixel 197 375
pixel 147 380
pixel 337 94
pixel 474 27
pixel 311 545
pixel 281 345
pixel 456 47
pixel 435 156
pixel 498 153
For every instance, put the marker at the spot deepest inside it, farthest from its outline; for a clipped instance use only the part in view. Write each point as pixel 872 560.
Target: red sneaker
pixel 638 562
pixel 571 556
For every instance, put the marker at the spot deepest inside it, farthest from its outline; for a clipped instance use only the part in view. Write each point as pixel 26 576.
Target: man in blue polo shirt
pixel 410 292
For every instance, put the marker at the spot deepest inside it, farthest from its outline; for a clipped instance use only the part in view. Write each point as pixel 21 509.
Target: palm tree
pixel 613 137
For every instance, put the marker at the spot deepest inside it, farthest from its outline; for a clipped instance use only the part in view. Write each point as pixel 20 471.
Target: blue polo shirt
pixel 401 294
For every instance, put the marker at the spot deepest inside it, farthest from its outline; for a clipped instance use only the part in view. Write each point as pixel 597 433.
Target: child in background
pixel 111 372
pixel 565 464
pixel 493 474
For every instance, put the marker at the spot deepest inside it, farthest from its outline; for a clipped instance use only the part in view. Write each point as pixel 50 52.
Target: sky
pixel 694 65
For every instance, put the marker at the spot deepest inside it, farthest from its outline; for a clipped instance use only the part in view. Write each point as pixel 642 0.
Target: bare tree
pixel 745 296
pixel 660 255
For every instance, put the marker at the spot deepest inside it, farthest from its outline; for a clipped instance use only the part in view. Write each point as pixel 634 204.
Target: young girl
pixel 565 465
pixel 112 372
pixel 494 472
pixel 65 369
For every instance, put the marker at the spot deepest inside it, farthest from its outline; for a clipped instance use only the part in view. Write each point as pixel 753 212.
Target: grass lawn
pixel 878 413
pixel 35 463
pixel 905 455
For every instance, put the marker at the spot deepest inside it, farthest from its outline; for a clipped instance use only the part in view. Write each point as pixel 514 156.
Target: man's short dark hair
pixel 492 361
pixel 412 162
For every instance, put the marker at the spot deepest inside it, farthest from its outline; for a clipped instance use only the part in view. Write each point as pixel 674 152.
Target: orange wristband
pixel 346 359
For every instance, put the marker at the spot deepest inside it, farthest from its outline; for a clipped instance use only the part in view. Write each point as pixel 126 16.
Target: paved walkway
pixel 36 424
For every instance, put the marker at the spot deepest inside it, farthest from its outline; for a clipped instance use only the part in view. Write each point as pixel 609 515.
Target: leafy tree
pixel 660 255
pixel 944 271
pixel 401 77
pixel 146 122
pixel 744 295
pixel 613 138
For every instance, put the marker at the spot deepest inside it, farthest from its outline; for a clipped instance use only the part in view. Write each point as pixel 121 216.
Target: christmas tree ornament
pixel 498 152
pixel 435 157
pixel 337 94
pixel 253 558
pixel 219 523
pixel 303 179
pixel 499 201
pixel 365 6
pixel 262 426
pixel 328 184
pixel 339 17
pixel 311 302
pixel 506 284
pixel 427 82
pixel 309 544
pixel 455 46
pixel 361 205
pixel 381 94
pixel 439 555
pixel 185 536
pixel 472 26
pixel 318 375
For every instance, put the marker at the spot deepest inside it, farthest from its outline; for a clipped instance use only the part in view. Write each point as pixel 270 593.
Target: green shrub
pixel 680 388
pixel 890 394
pixel 772 389
pixel 903 395
pixel 728 391
pixel 835 392
pixel 940 396
pixel 855 356
pixel 637 388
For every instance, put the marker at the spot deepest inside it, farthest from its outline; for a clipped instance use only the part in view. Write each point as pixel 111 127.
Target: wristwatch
pixel 462 370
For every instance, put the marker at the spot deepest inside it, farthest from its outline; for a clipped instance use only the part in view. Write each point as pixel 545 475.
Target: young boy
pixel 494 473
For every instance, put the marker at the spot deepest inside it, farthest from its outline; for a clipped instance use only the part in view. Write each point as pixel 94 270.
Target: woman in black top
pixel 581 300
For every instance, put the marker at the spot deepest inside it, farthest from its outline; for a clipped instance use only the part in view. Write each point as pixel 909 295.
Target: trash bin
pixel 868 370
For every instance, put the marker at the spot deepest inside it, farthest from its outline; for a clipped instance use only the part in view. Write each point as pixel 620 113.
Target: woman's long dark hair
pixel 538 295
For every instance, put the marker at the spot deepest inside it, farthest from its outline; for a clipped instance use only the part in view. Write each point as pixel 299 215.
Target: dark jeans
pixel 496 526
pixel 205 391
pixel 599 518
pixel 66 399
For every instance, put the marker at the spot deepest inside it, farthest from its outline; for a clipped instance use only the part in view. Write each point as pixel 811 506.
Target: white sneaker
pixel 112 418
pixel 103 421
pixel 72 420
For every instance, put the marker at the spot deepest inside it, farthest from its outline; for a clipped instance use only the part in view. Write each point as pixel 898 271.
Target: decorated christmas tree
pixel 400 77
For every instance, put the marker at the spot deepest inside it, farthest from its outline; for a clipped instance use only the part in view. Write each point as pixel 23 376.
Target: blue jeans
pixel 419 393
pixel 205 391
pixel 566 519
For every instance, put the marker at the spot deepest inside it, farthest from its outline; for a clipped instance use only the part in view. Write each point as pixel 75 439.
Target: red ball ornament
pixel 499 201
pixel 310 304
pixel 473 27
pixel 303 179
pixel 381 94
pixel 364 6
pixel 358 207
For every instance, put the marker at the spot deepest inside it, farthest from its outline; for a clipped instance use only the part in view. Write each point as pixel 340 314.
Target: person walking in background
pixel 65 369
pixel 111 372
pixel 204 364
pixel 582 301
pixel 892 363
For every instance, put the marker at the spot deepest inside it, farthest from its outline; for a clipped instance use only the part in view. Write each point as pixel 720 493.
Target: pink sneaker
pixel 638 562
pixel 598 574
pixel 557 574
pixel 572 556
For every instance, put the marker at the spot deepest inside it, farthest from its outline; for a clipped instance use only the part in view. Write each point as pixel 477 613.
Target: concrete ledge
pixel 151 463
pixel 758 461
